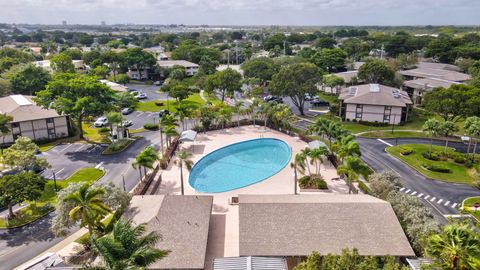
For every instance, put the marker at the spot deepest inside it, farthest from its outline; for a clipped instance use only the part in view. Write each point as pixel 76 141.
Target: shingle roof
pixel 23 108
pixel 296 225
pixel 347 75
pixel 375 94
pixel 429 83
pixel 438 66
pixel 172 63
pixel 182 222
pixel 436 73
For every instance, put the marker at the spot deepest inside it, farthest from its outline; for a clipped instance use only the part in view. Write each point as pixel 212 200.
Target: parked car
pixel 126 111
pixel 131 90
pixel 101 122
pixel 127 123
pixel 158 83
pixel 162 113
pixel 319 103
pixel 309 97
pixel 141 95
pixel 271 98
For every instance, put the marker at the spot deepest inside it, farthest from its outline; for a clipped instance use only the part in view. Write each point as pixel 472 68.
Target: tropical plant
pixel 146 158
pixel 298 165
pixel 166 120
pixel 170 131
pixel 472 127
pixel 88 207
pixel 431 127
pixel 184 111
pixel 346 146
pixel 456 247
pixel 115 118
pixel 128 247
pixel 206 115
pixel 446 129
pixel 5 128
pixel 329 128
pixel 317 156
pixel 184 158
pixel 353 167
pixel 20 187
pixel 224 115
pixel 238 109
pixel 23 155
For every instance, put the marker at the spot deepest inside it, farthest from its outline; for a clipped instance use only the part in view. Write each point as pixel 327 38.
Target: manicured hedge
pixel 308 182
pixel 406 150
pixel 436 168
pixel 150 126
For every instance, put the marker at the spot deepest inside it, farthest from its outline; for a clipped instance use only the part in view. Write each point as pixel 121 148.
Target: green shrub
pixel 435 156
pixel 308 182
pixel 117 146
pixel 373 124
pixel 148 82
pixel 364 187
pixel 406 150
pixel 104 130
pixel 476 184
pixel 150 126
pixel 436 168
pixel 460 159
pixel 159 103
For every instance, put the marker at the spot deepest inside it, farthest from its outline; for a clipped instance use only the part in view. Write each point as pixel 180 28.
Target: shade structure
pixel 316 144
pixel 188 136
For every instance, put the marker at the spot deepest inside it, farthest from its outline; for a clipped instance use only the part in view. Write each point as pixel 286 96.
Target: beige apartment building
pixel 31 120
pixel 374 103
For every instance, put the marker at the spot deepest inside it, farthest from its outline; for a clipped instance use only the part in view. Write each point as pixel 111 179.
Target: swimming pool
pixel 239 165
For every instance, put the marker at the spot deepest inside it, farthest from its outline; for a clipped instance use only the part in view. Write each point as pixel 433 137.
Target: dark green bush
pixel 436 168
pixel 435 156
pixel 159 103
pixel 460 159
pixel 104 130
pixel 405 150
pixel 308 182
pixel 150 126
pixel 364 187
pixel 373 124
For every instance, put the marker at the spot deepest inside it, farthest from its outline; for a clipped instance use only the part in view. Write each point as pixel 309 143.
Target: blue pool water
pixel 239 165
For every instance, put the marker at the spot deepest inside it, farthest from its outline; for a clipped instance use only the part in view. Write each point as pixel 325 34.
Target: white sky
pixel 251 12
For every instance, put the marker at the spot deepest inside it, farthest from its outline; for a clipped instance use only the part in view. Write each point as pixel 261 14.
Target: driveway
pixel 150 90
pixel 445 198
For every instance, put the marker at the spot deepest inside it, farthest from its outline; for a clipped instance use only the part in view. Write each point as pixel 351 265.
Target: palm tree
pixel 303 159
pixel 346 146
pixel 331 129
pixel 298 164
pixel 472 127
pixel 166 120
pixel 88 207
pixel 352 168
pixel 316 157
pixel 184 159
pixel 114 118
pixel 184 111
pixel 431 127
pixel 146 158
pixel 456 247
pixel 224 115
pixel 128 247
pixel 238 109
pixel 170 131
pixel 447 129
pixel 5 128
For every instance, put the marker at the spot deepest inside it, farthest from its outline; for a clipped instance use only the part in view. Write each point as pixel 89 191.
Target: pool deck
pixel 224 228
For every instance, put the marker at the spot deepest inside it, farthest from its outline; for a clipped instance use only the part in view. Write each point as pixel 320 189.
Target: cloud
pixel 308 12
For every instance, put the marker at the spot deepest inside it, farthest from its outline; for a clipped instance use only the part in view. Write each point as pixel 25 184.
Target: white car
pixel 141 95
pixel 101 122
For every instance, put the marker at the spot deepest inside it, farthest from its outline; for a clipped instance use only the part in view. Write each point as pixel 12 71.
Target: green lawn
pixel 47 201
pixel 194 99
pixel 93 134
pixel 470 202
pixel 458 174
pixel 395 134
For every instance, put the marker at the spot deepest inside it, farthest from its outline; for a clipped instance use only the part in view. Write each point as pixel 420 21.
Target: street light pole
pixel 54 180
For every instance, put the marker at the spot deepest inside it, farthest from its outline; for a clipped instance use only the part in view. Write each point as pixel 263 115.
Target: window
pixel 49 120
pixel 15 125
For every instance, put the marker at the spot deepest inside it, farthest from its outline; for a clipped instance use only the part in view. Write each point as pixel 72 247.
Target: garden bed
pixel 118 146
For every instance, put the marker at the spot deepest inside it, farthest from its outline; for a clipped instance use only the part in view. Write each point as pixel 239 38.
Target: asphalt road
pixel 444 198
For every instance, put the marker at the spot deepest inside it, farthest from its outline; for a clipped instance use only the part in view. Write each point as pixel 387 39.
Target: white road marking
pixel 65 148
pixel 93 148
pixel 140 114
pixel 433 199
pixel 453 205
pixel 447 203
pixel 402 189
pixel 420 195
pixel 80 148
pixel 99 165
pixel 413 193
pixel 439 201
pixel 407 191
pixel 426 197
pixel 382 141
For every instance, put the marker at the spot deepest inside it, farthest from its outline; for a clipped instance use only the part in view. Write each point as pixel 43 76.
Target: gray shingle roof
pixel 436 73
pixel 296 225
pixel 182 222
pixel 429 83
pixel 384 95
pixel 23 108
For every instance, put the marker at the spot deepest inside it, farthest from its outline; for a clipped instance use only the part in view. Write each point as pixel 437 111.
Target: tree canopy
pixel 226 81
pixel 25 186
pixel 376 71
pixel 27 79
pixel 261 68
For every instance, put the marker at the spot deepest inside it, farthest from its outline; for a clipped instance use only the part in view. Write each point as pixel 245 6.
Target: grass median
pixel 48 200
pixel 469 204
pixel 157 105
pixel 458 172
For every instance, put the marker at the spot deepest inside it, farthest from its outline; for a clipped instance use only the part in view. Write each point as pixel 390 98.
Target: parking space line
pixel 453 205
pixel 439 201
pixel 402 189
pixel 433 199
pixel 420 195
pixel 80 148
pixel 426 197
pixel 382 141
pixel 99 165
pixel 447 203
pixel 65 148
pixel 413 193
pixel 140 114
pixel 407 191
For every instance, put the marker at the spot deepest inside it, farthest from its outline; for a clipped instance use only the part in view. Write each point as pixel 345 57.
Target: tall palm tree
pixel 346 146
pixel 472 127
pixel 128 247
pixel 298 164
pixel 447 129
pixel 238 109
pixel 329 128
pixel 253 108
pixel 89 208
pixel 146 158
pixel 166 120
pixel 184 111
pixel 114 118
pixel 184 158
pixel 352 168
pixel 224 115
pixel 5 128
pixel 456 247
pixel 431 127
pixel 170 131
pixel 303 159
pixel 316 157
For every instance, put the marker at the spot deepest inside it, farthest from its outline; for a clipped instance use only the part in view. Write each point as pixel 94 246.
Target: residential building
pixel 292 226
pixel 434 70
pixel 374 103
pixel 138 74
pixel 31 120
pixel 190 68
pixel 78 64
pixel 183 223
pixel 419 87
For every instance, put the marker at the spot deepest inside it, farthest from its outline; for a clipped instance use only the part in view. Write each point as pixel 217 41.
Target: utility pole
pixel 54 180
pixel 228 57
pixel 381 51
pixel 236 50
pixel 284 49
pixel 123 180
